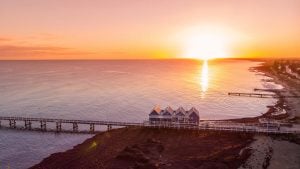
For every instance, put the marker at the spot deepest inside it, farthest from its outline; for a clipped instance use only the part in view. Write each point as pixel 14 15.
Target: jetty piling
pixel 109 127
pixel 58 126
pixel 43 125
pixel 75 127
pixel 12 124
pixel 27 124
pixel 92 128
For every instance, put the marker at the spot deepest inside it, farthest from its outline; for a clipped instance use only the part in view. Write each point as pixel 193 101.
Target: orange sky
pixel 144 29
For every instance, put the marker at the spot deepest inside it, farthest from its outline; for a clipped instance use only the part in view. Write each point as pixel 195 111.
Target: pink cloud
pixel 37 52
pixel 4 39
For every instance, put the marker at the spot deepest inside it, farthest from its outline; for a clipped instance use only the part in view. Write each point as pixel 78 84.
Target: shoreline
pixel 132 150
pixel 289 87
pixel 277 152
pixel 280 103
pixel 249 149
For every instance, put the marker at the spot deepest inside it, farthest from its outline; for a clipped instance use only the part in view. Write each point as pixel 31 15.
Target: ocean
pixel 116 90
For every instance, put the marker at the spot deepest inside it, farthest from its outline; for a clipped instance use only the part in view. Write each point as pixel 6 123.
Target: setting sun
pixel 81 81
pixel 205 44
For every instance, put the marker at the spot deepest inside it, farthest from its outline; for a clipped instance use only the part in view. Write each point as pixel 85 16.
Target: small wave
pixel 39 73
pixel 114 71
pixel 6 70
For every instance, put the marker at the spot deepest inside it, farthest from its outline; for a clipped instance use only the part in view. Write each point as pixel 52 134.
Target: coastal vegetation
pixel 146 148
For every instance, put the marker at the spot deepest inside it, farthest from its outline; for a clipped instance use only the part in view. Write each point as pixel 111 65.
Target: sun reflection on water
pixel 204 80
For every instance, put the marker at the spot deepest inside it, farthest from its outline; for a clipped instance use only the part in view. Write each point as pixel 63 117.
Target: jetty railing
pixel 203 125
pixel 43 123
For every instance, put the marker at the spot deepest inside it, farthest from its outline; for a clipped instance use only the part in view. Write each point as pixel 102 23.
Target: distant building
pixel 292 73
pixel 168 115
pixel 290 68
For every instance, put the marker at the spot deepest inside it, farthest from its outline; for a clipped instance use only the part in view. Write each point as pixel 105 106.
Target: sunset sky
pixel 148 29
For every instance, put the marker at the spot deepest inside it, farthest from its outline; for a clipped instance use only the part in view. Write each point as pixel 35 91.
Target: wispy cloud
pixel 38 46
pixel 37 52
pixel 45 37
pixel 4 39
pixel 12 48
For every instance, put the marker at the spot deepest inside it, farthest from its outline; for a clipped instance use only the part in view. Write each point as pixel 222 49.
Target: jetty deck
pixel 261 95
pixel 43 123
pixel 274 128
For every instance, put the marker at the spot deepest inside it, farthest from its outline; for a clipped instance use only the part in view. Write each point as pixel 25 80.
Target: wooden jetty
pixel 43 123
pixel 261 95
pixel 204 125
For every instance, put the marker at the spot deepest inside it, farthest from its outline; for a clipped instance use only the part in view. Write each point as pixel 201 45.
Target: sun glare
pixel 204 77
pixel 205 44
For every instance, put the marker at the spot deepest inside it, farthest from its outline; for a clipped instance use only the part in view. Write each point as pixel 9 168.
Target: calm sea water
pixel 117 91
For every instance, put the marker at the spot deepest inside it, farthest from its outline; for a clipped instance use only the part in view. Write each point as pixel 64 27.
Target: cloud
pixel 45 36
pixel 11 48
pixel 34 47
pixel 16 51
pixel 3 39
pixel 38 52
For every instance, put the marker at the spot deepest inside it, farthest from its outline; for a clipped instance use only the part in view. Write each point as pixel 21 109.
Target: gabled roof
pixel 180 111
pixel 193 110
pixel 155 111
pixel 168 111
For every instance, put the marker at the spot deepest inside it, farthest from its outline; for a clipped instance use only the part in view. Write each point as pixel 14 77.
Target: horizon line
pixel 131 59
